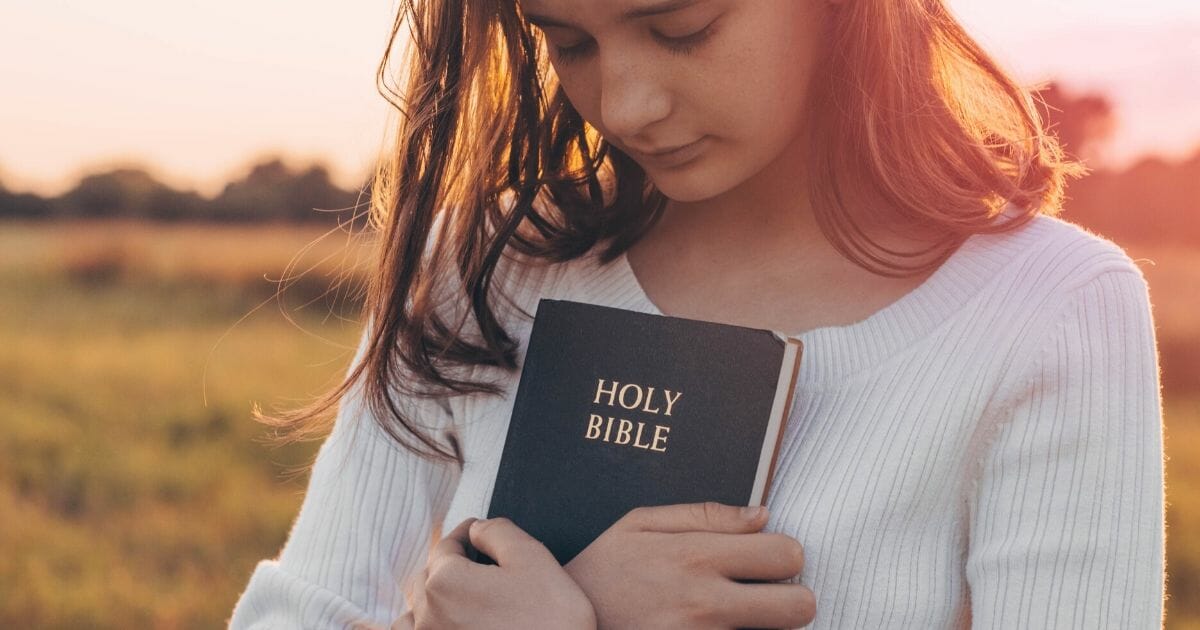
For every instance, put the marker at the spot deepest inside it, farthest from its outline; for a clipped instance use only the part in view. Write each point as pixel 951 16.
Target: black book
pixel 618 409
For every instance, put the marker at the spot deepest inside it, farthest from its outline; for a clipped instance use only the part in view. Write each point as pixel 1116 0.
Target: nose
pixel 632 96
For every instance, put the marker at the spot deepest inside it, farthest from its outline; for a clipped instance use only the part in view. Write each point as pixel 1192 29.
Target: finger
pixel 765 605
pixel 410 585
pixel 708 516
pixel 452 546
pixel 760 556
pixel 419 600
pixel 405 622
pixel 508 544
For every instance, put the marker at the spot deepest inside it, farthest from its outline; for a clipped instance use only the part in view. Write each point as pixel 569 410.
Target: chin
pixel 689 184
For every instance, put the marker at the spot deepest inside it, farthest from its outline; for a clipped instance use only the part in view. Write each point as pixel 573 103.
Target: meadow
pixel 136 490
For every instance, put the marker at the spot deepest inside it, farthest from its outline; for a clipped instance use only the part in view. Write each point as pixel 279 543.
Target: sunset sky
pixel 197 91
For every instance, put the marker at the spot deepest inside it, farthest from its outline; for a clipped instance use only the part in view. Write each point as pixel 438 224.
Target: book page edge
pixel 784 390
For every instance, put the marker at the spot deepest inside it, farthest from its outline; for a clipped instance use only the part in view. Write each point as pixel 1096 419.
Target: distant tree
pixel 127 193
pixel 273 191
pixel 22 205
pixel 115 193
pixel 256 196
pixel 1152 202
pixel 316 197
pixel 168 204
pixel 1082 123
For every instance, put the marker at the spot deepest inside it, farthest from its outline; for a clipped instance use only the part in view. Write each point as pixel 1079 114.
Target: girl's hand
pixel 526 588
pixel 677 566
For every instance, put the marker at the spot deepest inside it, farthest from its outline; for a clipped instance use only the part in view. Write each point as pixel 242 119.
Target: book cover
pixel 617 409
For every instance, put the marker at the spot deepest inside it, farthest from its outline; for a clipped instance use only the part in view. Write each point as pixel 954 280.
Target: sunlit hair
pixel 908 117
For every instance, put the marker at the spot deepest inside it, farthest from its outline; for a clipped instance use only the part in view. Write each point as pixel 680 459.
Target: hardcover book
pixel 617 409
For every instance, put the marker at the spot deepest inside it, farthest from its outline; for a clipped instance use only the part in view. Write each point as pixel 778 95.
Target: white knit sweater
pixel 986 451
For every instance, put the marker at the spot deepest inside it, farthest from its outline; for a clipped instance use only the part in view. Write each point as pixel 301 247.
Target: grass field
pixel 136 490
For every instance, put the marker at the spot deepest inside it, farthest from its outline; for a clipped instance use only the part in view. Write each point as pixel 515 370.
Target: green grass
pixel 136 489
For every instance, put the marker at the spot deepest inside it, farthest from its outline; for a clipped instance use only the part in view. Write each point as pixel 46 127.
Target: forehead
pixel 561 12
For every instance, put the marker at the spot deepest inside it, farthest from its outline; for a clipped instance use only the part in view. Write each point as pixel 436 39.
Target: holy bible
pixel 617 409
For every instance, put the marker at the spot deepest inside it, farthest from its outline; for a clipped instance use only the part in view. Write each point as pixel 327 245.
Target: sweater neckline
pixel 834 353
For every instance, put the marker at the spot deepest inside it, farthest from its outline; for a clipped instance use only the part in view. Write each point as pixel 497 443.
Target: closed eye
pixel 677 45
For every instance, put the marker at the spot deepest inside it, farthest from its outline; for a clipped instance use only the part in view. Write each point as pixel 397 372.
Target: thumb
pixel 508 544
pixel 709 516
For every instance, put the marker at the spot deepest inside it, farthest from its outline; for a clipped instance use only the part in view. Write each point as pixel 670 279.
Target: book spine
pixel 780 408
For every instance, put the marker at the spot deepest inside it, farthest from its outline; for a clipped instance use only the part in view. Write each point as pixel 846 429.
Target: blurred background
pixel 172 178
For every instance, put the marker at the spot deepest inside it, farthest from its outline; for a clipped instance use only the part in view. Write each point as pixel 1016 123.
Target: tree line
pixel 271 191
pixel 1154 201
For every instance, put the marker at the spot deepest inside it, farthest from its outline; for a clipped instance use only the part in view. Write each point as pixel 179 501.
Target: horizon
pixel 239 85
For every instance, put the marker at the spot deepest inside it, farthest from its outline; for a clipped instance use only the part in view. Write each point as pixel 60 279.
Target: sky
pixel 197 92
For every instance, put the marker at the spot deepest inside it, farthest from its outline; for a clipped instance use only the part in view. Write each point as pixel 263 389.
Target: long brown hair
pixel 489 155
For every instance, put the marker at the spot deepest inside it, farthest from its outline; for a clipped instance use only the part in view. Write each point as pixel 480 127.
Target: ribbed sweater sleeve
pixel 1066 511
pixel 364 526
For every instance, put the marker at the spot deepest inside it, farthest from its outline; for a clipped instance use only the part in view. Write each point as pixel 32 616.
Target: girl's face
pixel 726 78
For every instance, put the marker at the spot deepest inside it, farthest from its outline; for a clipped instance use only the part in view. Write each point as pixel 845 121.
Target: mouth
pixel 676 156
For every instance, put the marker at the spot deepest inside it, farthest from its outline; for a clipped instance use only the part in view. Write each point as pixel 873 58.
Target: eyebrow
pixel 654 9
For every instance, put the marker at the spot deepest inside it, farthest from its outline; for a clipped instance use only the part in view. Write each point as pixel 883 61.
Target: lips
pixel 671 150
pixel 664 152
pixel 677 156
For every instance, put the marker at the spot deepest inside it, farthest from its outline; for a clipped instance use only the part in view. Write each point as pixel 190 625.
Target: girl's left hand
pixel 526 588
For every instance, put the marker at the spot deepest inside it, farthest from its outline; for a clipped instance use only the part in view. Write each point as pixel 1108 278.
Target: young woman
pixel 976 436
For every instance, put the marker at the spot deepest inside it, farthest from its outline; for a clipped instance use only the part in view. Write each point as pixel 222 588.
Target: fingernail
pixel 752 512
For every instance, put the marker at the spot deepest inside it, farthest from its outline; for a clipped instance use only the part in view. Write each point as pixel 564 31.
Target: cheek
pixel 761 95
pixel 783 88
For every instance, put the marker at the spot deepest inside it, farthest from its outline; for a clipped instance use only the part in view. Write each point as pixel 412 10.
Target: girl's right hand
pixel 525 590
pixel 677 566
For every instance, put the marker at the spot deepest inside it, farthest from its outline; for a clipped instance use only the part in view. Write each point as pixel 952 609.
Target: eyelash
pixel 677 45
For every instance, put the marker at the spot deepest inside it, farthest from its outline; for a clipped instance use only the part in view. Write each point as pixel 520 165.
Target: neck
pixel 770 217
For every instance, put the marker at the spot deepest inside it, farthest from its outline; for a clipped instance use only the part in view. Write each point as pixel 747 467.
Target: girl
pixel 976 436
